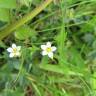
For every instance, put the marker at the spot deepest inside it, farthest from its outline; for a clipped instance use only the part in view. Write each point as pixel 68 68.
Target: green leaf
pixel 8 4
pixel 4 15
pixel 94 81
pixel 24 32
pixel 36 89
pixel 25 2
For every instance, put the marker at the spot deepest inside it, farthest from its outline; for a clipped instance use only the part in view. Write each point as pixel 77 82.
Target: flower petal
pixel 54 48
pixel 13 45
pixel 48 44
pixel 18 48
pixel 43 47
pixel 18 54
pixel 9 49
pixel 11 55
pixel 44 53
pixel 50 55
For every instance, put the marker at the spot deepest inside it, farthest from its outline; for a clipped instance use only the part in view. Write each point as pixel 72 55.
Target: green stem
pixel 10 28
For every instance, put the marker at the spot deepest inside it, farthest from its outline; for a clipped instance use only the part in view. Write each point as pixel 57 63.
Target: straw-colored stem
pixel 10 28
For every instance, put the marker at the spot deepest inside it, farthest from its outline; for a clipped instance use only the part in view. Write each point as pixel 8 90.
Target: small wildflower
pixel 48 50
pixel 14 51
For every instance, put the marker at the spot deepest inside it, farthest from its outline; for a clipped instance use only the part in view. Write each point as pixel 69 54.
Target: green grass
pixel 70 25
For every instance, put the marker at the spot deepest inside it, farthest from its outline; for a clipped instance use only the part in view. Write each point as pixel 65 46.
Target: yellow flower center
pixel 48 49
pixel 14 50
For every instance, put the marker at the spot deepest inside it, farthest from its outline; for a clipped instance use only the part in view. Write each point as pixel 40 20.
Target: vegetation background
pixel 70 25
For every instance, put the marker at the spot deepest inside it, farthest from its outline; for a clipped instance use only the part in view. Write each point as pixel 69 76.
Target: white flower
pixel 14 51
pixel 48 50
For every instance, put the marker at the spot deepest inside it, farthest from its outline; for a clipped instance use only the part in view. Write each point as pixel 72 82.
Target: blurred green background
pixel 70 26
